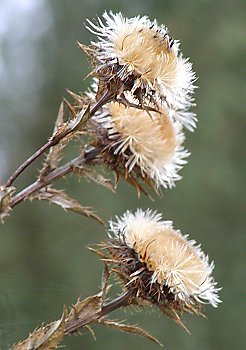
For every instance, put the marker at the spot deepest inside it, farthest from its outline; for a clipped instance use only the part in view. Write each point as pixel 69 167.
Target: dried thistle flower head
pixel 145 59
pixel 149 145
pixel 160 263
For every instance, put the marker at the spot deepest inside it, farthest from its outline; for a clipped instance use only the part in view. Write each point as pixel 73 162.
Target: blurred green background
pixel 43 260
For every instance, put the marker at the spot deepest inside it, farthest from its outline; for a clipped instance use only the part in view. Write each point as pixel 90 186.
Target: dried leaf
pixel 5 198
pixel 171 313
pixel 78 123
pixel 72 126
pixel 91 331
pixel 75 96
pixel 44 338
pixel 59 119
pixel 116 180
pixel 89 52
pixel 59 197
pixel 87 307
pixel 129 329
pixel 70 108
pixel 81 100
pixel 83 312
pixel 54 156
pixel 93 175
pixel 104 283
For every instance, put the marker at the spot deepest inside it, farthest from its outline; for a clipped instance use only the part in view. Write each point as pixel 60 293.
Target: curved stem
pixel 24 165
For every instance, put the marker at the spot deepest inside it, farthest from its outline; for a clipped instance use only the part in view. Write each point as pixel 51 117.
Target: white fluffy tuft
pixel 145 50
pixel 175 261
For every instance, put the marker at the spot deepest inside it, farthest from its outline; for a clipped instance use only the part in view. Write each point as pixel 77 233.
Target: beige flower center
pixel 170 256
pixel 151 137
pixel 146 52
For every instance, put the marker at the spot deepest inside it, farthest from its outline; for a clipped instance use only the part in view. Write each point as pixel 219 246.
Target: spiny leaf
pixel 89 52
pixel 91 331
pixel 70 108
pixel 59 197
pixel 171 313
pixel 44 338
pixel 73 125
pixel 104 283
pixel 83 312
pixel 5 197
pixel 78 123
pixel 134 329
pixel 81 100
pixel 94 176
pixel 54 156
pixel 86 307
pixel 59 119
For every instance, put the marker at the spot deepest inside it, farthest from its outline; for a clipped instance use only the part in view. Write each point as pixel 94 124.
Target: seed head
pixel 160 263
pixel 147 144
pixel 145 59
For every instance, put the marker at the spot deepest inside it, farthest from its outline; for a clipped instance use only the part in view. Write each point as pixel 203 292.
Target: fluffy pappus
pixel 149 144
pixel 145 59
pixel 164 262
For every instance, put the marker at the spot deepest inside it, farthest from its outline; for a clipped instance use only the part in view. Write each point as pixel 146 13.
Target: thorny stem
pixel 106 97
pixel 123 300
pixel 54 175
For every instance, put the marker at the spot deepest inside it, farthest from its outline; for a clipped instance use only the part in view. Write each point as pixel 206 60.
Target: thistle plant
pixel 131 122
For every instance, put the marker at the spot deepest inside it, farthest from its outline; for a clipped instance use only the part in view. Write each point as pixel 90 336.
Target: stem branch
pixel 106 97
pixel 54 175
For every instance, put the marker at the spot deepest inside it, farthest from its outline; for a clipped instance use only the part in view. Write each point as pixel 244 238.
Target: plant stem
pixel 106 97
pixel 54 175
pixel 123 300
pixel 24 165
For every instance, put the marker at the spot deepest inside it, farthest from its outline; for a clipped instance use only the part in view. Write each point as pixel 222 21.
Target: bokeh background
pixel 44 262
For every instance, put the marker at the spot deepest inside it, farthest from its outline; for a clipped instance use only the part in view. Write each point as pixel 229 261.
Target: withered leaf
pixel 5 197
pixel 83 312
pixel 86 308
pixel 171 313
pixel 59 119
pixel 77 123
pixel 44 338
pixel 93 175
pixel 104 283
pixel 55 153
pixel 72 126
pixel 91 331
pixel 80 99
pixel 59 197
pixel 134 329
pixel 89 52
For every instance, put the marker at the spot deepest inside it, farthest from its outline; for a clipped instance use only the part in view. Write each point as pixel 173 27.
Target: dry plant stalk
pixel 83 314
pixel 133 118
